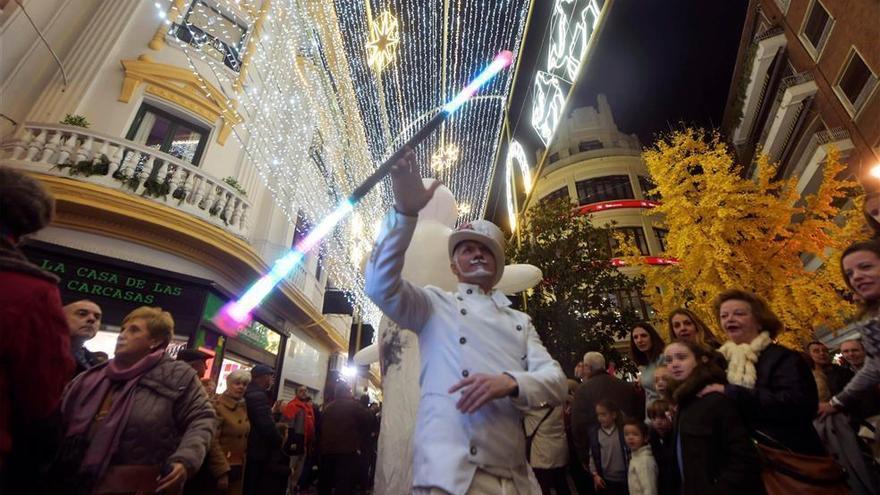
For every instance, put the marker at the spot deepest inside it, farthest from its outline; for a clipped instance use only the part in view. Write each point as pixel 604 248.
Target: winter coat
pixel 549 446
pixel 588 394
pixel 783 402
pixel 716 450
pixel 345 427
pixel 171 421
pixel 663 450
pixel 35 352
pixel 642 475
pixel 227 450
pixel 264 437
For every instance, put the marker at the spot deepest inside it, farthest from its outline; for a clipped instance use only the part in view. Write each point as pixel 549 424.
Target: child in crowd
pixel 642 474
pixel 608 453
pixel 661 373
pixel 714 452
pixel 662 445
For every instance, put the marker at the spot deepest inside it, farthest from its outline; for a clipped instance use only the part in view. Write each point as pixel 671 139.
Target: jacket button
pixel 463 311
pixel 519 328
pixel 462 340
pixel 473 450
pixel 459 298
pixel 470 291
pixel 465 373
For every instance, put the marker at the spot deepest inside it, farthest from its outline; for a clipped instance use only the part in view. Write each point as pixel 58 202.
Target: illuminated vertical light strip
pixel 236 314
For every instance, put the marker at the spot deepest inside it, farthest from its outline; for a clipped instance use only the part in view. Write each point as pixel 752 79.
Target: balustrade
pixel 121 164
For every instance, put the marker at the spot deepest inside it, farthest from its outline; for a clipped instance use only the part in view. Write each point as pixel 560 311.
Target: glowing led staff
pixel 236 314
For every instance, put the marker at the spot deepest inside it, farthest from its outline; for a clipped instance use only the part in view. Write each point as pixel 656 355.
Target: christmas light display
pixel 572 25
pixel 236 314
pixel 516 154
pixel 317 116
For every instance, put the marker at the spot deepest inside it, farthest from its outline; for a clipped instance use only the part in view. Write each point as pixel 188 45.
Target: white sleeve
pixel 404 303
pixel 649 481
pixel 543 382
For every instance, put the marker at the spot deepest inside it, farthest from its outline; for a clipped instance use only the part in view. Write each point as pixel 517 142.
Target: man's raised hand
pixel 410 194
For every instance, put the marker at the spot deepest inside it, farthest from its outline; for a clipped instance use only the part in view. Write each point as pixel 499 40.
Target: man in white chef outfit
pixel 482 362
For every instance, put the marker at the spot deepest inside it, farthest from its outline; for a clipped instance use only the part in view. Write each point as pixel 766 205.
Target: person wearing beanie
pixel 34 340
pixel 482 362
pixel 264 438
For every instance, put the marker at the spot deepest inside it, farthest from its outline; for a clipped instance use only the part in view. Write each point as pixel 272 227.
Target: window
pixel 604 189
pixel 816 29
pixel 856 83
pixel 661 237
pixel 303 226
pixel 561 193
pixel 633 301
pixel 168 133
pixel 590 145
pixel 554 157
pixel 648 188
pixel 636 235
pixel 219 35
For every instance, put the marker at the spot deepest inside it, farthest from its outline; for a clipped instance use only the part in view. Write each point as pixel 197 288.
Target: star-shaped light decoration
pixel 464 209
pixel 382 41
pixel 445 157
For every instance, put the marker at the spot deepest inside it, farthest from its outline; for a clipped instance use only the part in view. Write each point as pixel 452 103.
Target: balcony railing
pixel 769 33
pixel 120 164
pixel 793 80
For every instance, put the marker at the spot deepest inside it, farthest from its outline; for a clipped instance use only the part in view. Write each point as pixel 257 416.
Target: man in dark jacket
pixel 837 376
pixel 598 385
pixel 264 438
pixel 83 320
pixel 345 429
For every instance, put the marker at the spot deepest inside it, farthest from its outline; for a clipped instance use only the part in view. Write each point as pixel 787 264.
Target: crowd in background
pixel 745 415
pixel 73 421
pixel 742 415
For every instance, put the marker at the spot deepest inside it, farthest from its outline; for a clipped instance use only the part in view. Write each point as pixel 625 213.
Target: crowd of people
pixel 73 421
pixel 739 414
pixel 703 416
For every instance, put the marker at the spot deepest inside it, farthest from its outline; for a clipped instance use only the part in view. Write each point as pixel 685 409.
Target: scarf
pixel 11 260
pixel 741 359
pixel 84 400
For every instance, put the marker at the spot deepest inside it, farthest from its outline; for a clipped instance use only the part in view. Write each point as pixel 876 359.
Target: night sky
pixel 660 63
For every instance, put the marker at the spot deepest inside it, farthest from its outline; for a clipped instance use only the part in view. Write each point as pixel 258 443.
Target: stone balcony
pixel 84 155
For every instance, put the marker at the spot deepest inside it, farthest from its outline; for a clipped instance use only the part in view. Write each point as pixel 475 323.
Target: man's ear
pixel 454 268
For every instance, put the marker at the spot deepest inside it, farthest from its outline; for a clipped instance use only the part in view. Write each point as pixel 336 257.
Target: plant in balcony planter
pixel 156 189
pixel 86 168
pixel 76 120
pixel 231 182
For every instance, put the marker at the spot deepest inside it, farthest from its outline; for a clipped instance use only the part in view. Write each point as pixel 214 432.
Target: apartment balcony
pixel 766 46
pixel 794 91
pixel 81 154
pixel 809 167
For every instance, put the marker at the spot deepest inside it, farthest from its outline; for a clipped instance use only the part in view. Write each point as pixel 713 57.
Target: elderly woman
pixel 141 422
pixel 686 325
pixel 224 466
pixel 646 350
pixel 772 385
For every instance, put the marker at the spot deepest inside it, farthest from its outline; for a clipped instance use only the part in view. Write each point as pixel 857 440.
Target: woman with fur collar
pixel 772 385
pixel 714 451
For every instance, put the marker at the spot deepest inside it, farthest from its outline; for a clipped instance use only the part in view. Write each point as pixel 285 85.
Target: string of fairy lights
pixel 331 88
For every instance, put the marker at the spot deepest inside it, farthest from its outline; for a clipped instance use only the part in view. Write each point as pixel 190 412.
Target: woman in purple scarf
pixel 141 423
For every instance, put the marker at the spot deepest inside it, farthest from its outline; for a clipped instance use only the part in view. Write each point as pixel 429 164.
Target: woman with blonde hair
pixel 684 324
pixel 224 467
pixel 139 423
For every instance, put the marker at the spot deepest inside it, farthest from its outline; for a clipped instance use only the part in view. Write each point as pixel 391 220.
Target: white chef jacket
pixel 461 334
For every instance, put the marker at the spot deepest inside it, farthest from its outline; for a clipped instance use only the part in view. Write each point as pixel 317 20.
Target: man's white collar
pixel 473 290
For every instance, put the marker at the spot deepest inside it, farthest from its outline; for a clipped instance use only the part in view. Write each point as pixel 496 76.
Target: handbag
pixel 786 472
pixel 531 438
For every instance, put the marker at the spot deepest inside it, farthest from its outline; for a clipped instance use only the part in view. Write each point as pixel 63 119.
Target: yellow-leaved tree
pixel 730 231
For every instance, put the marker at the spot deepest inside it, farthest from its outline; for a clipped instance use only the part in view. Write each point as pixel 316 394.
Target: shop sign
pixel 119 289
